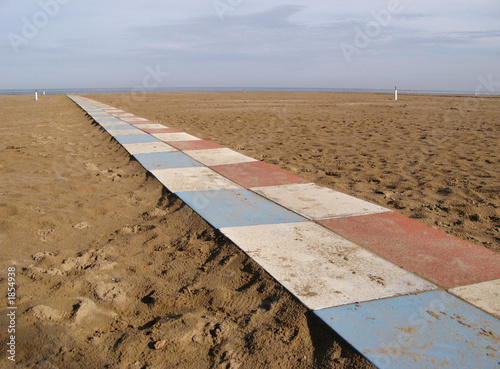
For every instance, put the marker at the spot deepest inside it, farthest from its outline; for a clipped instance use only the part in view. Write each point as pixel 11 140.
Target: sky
pixel 142 45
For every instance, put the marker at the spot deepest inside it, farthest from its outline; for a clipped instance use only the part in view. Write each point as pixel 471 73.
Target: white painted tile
pixel 134 119
pixel 120 115
pixel 151 126
pixel 175 137
pixel 316 202
pixel 485 295
pixel 114 123
pixel 320 268
pixel 218 156
pixel 148 147
pixel 193 179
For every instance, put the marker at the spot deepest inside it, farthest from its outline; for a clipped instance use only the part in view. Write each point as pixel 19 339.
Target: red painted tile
pixel 442 259
pixel 159 130
pixel 256 174
pixel 194 145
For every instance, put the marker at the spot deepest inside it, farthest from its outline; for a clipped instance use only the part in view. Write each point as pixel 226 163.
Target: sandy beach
pixel 433 158
pixel 113 271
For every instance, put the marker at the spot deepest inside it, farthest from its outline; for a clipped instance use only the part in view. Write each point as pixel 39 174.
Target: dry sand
pixel 114 272
pixel 432 158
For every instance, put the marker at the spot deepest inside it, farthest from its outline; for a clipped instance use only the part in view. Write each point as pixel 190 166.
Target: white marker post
pixel 36 95
pixel 396 93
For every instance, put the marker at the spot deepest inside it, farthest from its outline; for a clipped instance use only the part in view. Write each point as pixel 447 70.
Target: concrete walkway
pixel 403 294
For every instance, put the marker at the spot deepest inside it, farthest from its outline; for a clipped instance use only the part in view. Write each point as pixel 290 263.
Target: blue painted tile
pixel 112 127
pixel 234 208
pixel 428 330
pixel 132 139
pixel 166 160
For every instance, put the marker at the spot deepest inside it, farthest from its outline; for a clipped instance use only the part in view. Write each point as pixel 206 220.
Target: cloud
pixel 255 43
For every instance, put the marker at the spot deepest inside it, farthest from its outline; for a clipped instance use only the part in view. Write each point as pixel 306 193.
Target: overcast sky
pixel 419 44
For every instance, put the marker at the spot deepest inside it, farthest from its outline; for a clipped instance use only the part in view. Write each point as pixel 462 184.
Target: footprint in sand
pixel 92 259
pixel 39 256
pixel 92 167
pixel 111 292
pixel 44 234
pixel 88 314
pixel 43 312
pixel 81 225
pixel 36 273
pixel 232 302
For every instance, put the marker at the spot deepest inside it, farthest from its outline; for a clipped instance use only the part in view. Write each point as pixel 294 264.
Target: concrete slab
pixel 115 125
pixel 257 174
pixel 321 268
pixel 485 295
pixel 193 179
pixel 194 145
pixel 119 127
pixel 124 115
pixel 218 156
pixel 158 130
pixel 434 255
pixel 109 121
pixel 315 202
pixel 171 137
pixel 234 208
pixel 166 160
pixel 133 119
pixel 149 147
pixel 150 126
pixel 428 330
pixel 126 132
pixel 135 139
pixel 141 123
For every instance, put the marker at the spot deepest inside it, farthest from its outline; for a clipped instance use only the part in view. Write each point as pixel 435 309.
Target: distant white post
pixel 396 93
pixel 36 94
pixel 43 93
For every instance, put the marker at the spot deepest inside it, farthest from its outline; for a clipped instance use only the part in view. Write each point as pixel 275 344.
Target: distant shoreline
pixel 235 89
